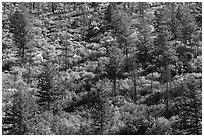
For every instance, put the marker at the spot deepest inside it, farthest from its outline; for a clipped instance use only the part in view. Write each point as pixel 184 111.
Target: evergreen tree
pixel 100 110
pixel 164 53
pixel 18 109
pixel 19 28
pixel 47 87
pixel 13 120
pixel 190 106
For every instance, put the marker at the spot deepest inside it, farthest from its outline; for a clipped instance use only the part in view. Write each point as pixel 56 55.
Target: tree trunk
pixel 114 86
pixel 152 83
pixel 53 7
pixel 101 125
pixel 135 86
pixel 33 6
pixel 29 69
pixel 23 53
pixel 135 78
pixel 66 62
pixel 167 79
pixel 114 78
pixel 126 55
pixel 74 7
pixel 167 97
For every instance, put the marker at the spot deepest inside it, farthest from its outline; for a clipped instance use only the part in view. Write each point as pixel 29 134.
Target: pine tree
pixel 48 87
pixel 190 106
pixel 164 53
pixel 186 24
pixel 188 34
pixel 118 23
pixel 18 26
pixel 99 111
pixel 116 19
pixel 17 110
pixel 13 120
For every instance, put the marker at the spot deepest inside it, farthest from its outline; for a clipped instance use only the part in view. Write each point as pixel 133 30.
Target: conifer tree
pixel 18 26
pixel 13 121
pixel 164 52
pixel 49 90
pixel 19 108
pixel 100 114
pixel 190 106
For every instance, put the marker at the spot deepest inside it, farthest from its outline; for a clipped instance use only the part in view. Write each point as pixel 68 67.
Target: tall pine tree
pixel 19 28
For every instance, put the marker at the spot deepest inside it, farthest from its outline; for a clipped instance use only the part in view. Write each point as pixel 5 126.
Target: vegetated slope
pixel 101 68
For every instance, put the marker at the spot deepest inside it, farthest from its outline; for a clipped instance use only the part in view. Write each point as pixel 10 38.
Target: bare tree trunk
pixel 167 97
pixel 152 83
pixel 114 86
pixel 167 79
pixel 66 62
pixel 53 7
pixel 101 125
pixel 29 79
pixel 135 86
pixel 126 55
pixel 23 54
pixel 135 78
pixel 33 6
pixel 114 78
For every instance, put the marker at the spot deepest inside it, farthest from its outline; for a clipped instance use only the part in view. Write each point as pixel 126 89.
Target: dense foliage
pixel 101 68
